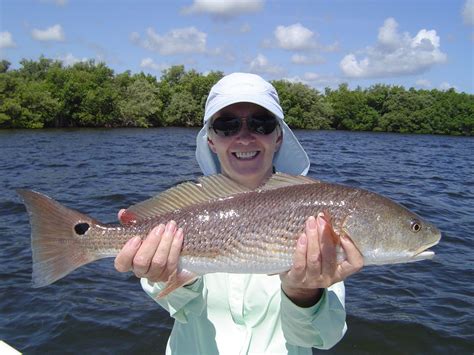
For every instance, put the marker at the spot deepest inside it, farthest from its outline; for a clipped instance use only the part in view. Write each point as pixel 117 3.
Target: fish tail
pixel 56 233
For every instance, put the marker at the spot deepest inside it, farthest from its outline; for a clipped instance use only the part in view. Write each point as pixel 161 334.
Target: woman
pixel 245 138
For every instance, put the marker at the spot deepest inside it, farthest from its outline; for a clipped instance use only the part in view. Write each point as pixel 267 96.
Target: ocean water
pixel 418 308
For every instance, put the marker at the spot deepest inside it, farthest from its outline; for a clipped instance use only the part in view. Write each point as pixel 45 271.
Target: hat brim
pixel 225 100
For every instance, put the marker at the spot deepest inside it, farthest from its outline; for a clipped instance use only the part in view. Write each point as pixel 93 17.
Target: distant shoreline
pixel 47 94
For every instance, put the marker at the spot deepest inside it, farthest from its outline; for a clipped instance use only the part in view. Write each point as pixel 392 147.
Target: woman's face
pixel 245 157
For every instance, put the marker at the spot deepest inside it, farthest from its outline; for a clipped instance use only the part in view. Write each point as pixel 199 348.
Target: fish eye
pixel 415 225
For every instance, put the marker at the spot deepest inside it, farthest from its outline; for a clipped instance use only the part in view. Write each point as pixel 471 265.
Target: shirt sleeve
pixel 320 326
pixel 181 302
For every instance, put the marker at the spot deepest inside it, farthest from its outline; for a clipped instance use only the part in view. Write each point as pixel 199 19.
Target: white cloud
pixel 446 86
pixel 316 80
pixel 297 38
pixel 261 65
pixel 395 54
pixel 468 12
pixel 6 40
pixel 54 33
pixel 224 9
pixel 307 60
pixel 294 37
pixel 70 60
pixel 148 63
pixel 178 41
pixel 423 83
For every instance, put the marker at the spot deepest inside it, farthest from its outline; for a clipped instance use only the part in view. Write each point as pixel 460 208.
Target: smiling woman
pixel 245 138
pixel 245 155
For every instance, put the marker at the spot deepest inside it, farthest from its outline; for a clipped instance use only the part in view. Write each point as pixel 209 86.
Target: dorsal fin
pixel 208 188
pixel 283 180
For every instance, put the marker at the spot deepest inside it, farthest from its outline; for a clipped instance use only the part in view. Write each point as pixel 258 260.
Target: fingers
pixel 175 251
pixel 160 259
pixel 156 257
pixel 328 247
pixel 124 259
pixel 354 259
pixel 298 270
pixel 144 256
pixel 313 255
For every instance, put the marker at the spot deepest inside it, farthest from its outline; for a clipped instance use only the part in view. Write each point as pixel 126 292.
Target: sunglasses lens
pixel 226 126
pixel 229 126
pixel 262 124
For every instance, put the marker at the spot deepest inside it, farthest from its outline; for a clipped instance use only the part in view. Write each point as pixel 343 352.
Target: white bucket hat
pixel 243 87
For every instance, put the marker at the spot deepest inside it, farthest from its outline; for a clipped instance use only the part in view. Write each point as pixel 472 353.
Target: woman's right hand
pixel 156 257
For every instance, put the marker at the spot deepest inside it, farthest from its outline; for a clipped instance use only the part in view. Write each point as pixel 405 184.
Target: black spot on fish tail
pixel 81 228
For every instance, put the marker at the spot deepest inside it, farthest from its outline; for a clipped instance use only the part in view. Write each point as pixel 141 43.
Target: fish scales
pixel 223 235
pixel 228 228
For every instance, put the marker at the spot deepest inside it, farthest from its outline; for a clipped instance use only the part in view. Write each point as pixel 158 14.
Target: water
pixel 425 307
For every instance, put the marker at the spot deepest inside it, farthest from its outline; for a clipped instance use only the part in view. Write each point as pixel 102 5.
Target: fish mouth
pixel 424 252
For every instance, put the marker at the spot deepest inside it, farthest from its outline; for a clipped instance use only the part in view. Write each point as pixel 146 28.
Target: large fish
pixel 229 228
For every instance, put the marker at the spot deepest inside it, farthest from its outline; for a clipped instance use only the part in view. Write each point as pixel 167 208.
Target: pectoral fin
pixel 176 280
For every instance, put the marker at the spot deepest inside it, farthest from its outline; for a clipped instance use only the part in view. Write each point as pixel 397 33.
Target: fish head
pixel 386 232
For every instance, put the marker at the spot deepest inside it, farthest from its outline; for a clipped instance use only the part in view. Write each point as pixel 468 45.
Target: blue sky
pixel 414 43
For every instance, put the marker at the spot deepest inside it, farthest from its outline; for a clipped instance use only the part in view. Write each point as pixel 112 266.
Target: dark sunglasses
pixel 226 126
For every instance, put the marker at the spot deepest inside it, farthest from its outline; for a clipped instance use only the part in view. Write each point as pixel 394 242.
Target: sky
pixel 425 44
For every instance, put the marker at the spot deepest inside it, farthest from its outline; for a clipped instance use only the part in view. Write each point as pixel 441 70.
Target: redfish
pixel 230 228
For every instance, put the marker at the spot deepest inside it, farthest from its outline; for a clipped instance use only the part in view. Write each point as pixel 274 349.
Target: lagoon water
pixel 418 308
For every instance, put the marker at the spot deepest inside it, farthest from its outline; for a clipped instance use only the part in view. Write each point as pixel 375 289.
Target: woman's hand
pixel 315 264
pixel 155 257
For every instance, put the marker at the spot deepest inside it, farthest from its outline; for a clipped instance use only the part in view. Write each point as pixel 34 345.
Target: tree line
pixel 45 93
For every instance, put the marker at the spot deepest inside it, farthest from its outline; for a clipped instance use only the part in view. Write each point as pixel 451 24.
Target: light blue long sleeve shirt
pixel 248 314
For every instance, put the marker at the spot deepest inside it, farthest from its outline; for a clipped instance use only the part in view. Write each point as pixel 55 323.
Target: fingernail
pixel 312 223
pixel 171 226
pixel 303 240
pixel 321 221
pixel 159 230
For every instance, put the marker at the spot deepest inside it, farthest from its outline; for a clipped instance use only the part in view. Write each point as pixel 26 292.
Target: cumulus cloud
pixel 224 9
pixel 307 59
pixel 54 33
pixel 395 54
pixel 316 80
pixel 148 63
pixel 178 41
pixel 6 40
pixel 468 12
pixel 261 65
pixel 70 59
pixel 294 37
pixel 446 86
pixel 298 38
pixel 424 83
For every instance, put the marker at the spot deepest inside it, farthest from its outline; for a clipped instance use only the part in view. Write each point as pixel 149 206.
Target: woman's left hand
pixel 315 265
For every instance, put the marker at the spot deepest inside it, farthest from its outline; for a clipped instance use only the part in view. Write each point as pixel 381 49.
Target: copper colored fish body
pixel 228 228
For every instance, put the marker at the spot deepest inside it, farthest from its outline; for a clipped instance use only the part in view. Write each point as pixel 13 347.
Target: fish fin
pixel 207 189
pixel 55 238
pixel 176 280
pixel 128 218
pixel 283 180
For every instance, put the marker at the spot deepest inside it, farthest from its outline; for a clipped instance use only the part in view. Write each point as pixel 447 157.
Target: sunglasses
pixel 226 126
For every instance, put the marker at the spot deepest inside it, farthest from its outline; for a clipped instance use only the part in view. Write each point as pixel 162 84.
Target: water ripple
pixel 425 307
